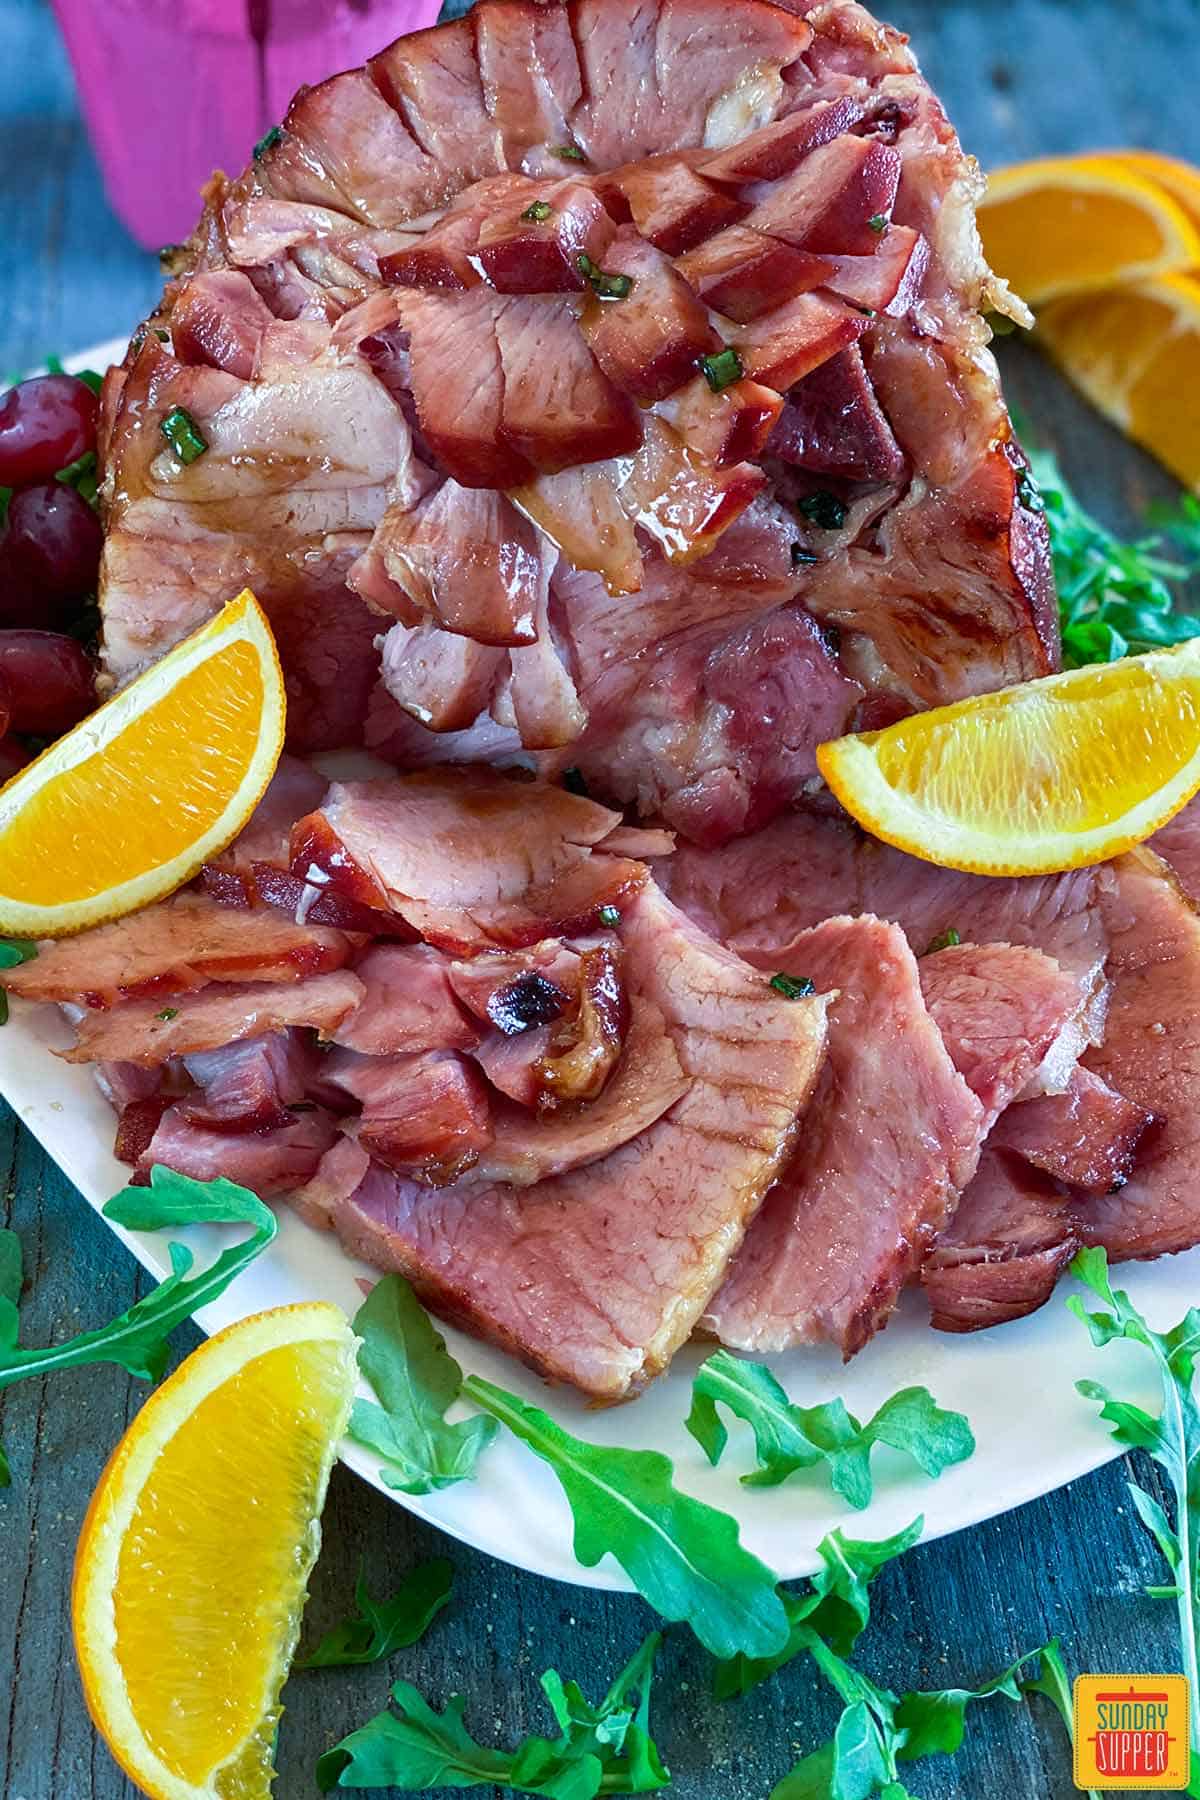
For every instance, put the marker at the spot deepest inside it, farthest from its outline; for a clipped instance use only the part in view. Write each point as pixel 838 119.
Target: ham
pixel 999 1258
pixel 890 1137
pixel 1087 1136
pixel 147 1033
pixel 266 1162
pixel 426 1116
pixel 176 947
pixel 468 859
pixel 408 1004
pixel 584 1310
pixel 249 1085
pixel 479 260
pixel 1147 1055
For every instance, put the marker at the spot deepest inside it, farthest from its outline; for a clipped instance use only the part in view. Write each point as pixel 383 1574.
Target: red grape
pixel 50 554
pixel 50 679
pixel 45 424
pixel 5 705
pixel 13 757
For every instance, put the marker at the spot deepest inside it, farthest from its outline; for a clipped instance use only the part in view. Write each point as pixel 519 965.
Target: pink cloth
pixel 172 89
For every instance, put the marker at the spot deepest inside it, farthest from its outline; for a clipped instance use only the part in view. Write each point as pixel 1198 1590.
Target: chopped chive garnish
pixel 568 152
pixel 945 940
pixel 16 950
pixel 800 556
pixel 183 434
pixel 603 285
pixel 792 987
pixel 537 212
pixel 610 916
pixel 1028 492
pixel 723 369
pixel 267 141
pixel 878 223
pixel 574 783
pixel 167 1014
pixel 824 509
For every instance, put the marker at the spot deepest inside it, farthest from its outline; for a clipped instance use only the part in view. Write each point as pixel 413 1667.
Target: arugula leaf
pixel 1172 1438
pixel 1114 598
pixel 684 1557
pixel 877 1731
pixel 1054 1682
pixel 381 1626
pixel 600 1749
pixel 836 1605
pixel 137 1339
pixel 788 1437
pixel 405 1359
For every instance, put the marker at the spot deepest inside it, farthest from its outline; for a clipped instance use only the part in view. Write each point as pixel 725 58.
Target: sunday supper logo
pixel 1131 1731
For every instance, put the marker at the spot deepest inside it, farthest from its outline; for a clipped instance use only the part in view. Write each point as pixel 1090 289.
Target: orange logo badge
pixel 1131 1731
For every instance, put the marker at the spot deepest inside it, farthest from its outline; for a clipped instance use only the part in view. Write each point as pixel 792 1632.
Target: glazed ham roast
pixel 597 395
pixel 599 385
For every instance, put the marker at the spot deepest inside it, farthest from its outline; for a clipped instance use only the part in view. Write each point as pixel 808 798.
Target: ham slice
pixel 1148 1056
pixel 891 1135
pixel 650 342
pixel 249 1085
pixel 425 1116
pixel 468 859
pixel 673 206
pixel 339 1172
pixel 1087 1136
pixel 294 789
pixel 999 1258
pixel 176 947
pixel 408 1004
pixel 1178 843
pixel 147 1033
pixel 266 1162
pixel 583 1309
pixel 999 1008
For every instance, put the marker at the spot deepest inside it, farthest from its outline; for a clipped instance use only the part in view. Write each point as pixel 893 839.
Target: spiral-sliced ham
pixel 476 262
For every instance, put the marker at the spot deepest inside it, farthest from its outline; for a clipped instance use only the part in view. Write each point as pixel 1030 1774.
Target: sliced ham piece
pixel 731 425
pixel 1149 1056
pixel 1087 1136
pixel 579 511
pixel 250 1085
pixel 1009 1240
pixel 679 500
pixel 266 1162
pixel 649 341
pixel 833 424
pixel 539 241
pixel 219 319
pixel 176 947
pixel 560 407
pixel 743 274
pixel 426 1116
pixel 837 202
pixel 890 1137
pixel 468 858
pixel 465 559
pixel 584 1310
pixel 1178 843
pixel 530 73
pixel 440 678
pixel 673 206
pixel 408 1004
pixel 140 1031
pixel 999 1007
pixel 775 150
pixel 339 1172
pixel 780 347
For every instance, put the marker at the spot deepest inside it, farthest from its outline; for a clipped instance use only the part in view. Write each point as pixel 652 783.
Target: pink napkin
pixel 172 89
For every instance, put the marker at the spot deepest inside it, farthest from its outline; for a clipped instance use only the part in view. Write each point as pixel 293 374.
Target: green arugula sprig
pixel 415 1378
pixel 1114 598
pixel 789 1437
pixel 137 1339
pixel 382 1626
pixel 1172 1438
pixel 13 951
pixel 1053 1681
pixel 604 1749
pixel 684 1557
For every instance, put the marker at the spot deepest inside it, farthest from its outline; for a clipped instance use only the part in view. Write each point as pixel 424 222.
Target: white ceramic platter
pixel 1016 1384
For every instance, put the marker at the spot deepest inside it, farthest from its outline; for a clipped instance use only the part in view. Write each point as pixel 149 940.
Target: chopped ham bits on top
pixel 577 300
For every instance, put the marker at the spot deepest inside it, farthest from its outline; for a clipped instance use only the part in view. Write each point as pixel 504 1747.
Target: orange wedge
pixel 1180 179
pixel 1135 353
pixel 127 806
pixel 1074 224
pixel 1050 775
pixel 195 1553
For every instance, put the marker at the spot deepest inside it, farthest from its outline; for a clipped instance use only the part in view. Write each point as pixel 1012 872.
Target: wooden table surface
pixel 1020 78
